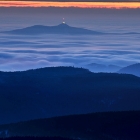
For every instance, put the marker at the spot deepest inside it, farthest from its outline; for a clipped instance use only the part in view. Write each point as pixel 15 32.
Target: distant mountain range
pixel 131 69
pixel 62 28
pixel 58 91
pixel 59 29
pixel 94 126
pixel 95 67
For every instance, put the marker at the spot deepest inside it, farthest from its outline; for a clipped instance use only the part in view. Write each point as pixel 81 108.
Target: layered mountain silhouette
pixel 94 126
pixel 95 67
pixel 131 69
pixel 58 91
pixel 59 29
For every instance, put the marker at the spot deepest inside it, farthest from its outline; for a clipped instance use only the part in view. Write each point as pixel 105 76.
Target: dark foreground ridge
pixel 35 138
pixel 59 29
pixel 59 91
pixel 99 126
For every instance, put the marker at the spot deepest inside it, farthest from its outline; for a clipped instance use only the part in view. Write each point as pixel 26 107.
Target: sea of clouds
pixel 22 52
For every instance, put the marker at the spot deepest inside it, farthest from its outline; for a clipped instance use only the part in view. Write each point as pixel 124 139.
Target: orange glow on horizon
pixel 116 5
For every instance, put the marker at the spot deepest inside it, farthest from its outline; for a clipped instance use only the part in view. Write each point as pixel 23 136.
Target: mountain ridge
pixel 99 126
pixel 58 29
pixel 131 69
pixel 62 28
pixel 59 91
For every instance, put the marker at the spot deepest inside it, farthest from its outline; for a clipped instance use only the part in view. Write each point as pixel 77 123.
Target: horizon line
pixel 38 4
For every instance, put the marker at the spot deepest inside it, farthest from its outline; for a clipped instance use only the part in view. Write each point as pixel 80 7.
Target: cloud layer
pixel 27 52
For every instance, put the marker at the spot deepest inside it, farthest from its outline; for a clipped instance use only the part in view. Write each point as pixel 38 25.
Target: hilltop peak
pixel 63 24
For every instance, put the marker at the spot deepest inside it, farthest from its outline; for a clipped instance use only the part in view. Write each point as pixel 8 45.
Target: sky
pixel 117 5
pixel 80 0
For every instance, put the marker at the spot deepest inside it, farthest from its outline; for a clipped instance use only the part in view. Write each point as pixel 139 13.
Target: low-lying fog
pixel 20 52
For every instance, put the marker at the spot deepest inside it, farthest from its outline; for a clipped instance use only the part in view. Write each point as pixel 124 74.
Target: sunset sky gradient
pixel 116 5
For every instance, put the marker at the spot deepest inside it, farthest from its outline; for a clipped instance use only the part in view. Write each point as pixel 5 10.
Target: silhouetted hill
pixel 59 29
pixel 95 126
pixel 59 91
pixel 62 28
pixel 132 69
pixel 95 67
